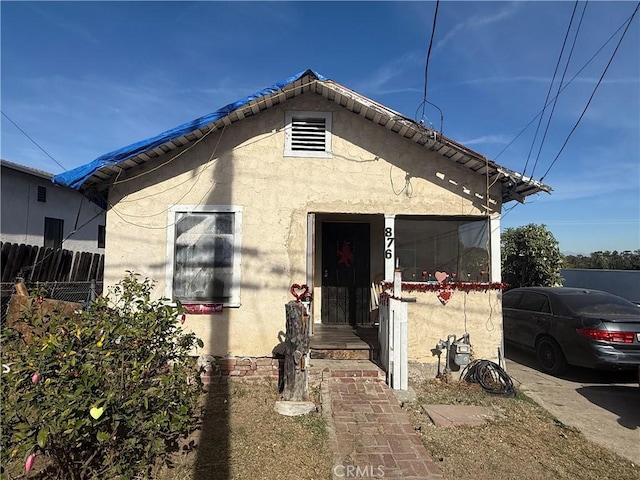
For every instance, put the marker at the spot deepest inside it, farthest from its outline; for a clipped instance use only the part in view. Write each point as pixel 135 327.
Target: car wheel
pixel 550 356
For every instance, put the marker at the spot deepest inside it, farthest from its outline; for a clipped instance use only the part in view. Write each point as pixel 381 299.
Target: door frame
pixel 315 223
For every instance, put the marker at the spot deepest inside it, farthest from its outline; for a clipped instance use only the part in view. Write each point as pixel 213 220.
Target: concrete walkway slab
pixel 456 415
pixel 370 434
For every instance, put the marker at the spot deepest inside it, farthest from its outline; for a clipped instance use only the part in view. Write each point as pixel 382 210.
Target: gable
pixel 96 175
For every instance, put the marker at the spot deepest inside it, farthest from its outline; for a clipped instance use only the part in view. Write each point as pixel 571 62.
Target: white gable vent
pixel 308 134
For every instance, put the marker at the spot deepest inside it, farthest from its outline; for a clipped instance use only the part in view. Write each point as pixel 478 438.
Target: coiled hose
pixel 490 376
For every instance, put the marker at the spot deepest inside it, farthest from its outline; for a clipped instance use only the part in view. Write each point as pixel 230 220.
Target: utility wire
pixel 563 88
pixel 593 93
pixel 426 68
pixel 555 101
pixel 34 142
pixel 553 79
pixel 439 110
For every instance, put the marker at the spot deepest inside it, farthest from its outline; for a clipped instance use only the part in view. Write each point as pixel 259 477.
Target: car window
pixel 536 302
pixel 588 304
pixel 510 299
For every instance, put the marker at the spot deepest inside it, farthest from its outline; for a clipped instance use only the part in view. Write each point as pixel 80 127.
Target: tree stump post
pixel 296 374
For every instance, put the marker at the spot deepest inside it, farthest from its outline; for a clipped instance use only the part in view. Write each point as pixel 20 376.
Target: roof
pixel 98 174
pixel 25 169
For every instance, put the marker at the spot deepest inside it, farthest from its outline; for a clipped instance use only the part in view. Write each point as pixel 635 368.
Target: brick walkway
pixel 370 434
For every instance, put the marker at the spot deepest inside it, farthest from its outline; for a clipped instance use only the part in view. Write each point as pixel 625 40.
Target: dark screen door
pixel 345 273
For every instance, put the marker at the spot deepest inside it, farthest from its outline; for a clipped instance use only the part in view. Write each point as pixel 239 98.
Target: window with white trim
pixel 203 248
pixel 455 245
pixel 307 134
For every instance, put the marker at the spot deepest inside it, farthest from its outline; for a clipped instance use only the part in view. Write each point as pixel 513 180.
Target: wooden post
pixel 21 289
pixel 296 348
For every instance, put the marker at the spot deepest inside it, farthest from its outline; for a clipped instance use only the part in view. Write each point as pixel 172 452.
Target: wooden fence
pixel 39 264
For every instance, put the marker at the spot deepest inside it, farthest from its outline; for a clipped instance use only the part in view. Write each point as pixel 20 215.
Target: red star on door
pixel 345 254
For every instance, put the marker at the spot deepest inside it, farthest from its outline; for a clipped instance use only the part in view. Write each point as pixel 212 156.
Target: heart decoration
pixel 444 295
pixel 299 291
pixel 96 412
pixel 441 276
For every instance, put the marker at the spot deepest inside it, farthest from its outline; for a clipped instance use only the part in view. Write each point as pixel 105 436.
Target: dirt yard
pixel 523 441
pixel 243 438
pixel 246 439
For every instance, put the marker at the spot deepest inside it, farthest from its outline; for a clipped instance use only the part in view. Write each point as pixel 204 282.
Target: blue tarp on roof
pixel 78 176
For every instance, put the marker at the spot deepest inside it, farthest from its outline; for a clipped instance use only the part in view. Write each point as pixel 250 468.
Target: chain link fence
pixel 81 292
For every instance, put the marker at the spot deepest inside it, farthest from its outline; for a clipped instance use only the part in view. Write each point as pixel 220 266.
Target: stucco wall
pixel 477 313
pixel 244 165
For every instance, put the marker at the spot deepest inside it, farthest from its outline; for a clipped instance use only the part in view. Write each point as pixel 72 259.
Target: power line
pixel 33 141
pixel 593 93
pixel 439 110
pixel 555 101
pixel 426 68
pixel 563 88
pixel 553 79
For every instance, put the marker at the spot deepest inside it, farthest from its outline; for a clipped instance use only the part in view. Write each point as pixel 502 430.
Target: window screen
pixel 425 245
pixel 204 256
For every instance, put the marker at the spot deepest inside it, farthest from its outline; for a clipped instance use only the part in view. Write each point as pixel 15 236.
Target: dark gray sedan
pixel 573 326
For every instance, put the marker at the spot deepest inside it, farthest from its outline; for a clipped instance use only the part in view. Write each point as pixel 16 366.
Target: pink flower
pixel 29 463
pixel 35 378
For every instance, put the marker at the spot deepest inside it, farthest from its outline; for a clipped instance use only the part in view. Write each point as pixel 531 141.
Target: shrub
pixel 103 394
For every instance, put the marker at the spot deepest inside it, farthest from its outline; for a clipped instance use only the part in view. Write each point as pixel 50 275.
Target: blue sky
pixel 86 78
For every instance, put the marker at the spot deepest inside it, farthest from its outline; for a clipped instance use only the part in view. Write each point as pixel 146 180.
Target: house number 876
pixel 388 233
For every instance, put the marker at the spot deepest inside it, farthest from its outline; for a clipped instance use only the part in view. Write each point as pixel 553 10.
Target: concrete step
pixel 345 371
pixel 344 342
pixel 343 353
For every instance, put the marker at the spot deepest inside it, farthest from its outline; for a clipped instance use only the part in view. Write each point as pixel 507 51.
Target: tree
pixel 626 260
pixel 530 257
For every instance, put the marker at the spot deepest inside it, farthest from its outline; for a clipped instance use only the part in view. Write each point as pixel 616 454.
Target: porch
pixel 342 342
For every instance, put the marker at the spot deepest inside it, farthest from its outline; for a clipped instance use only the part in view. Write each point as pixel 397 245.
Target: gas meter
pixel 461 353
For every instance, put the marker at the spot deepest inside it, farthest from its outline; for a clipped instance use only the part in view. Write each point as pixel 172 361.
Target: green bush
pixel 104 394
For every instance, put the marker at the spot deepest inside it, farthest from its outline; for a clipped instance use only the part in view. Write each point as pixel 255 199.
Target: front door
pixel 345 273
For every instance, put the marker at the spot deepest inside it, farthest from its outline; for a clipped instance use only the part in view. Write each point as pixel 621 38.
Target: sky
pixel 81 79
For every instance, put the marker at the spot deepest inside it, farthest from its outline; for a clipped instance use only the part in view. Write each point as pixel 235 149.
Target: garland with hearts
pixel 444 288
pixel 434 287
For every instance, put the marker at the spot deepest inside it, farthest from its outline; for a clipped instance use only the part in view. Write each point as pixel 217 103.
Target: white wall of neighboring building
pixel 624 283
pixel 22 215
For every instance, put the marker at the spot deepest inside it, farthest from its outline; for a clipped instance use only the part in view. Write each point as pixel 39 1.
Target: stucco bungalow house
pixel 310 183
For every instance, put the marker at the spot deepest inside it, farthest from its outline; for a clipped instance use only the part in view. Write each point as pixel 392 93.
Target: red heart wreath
pixel 444 295
pixel 299 291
